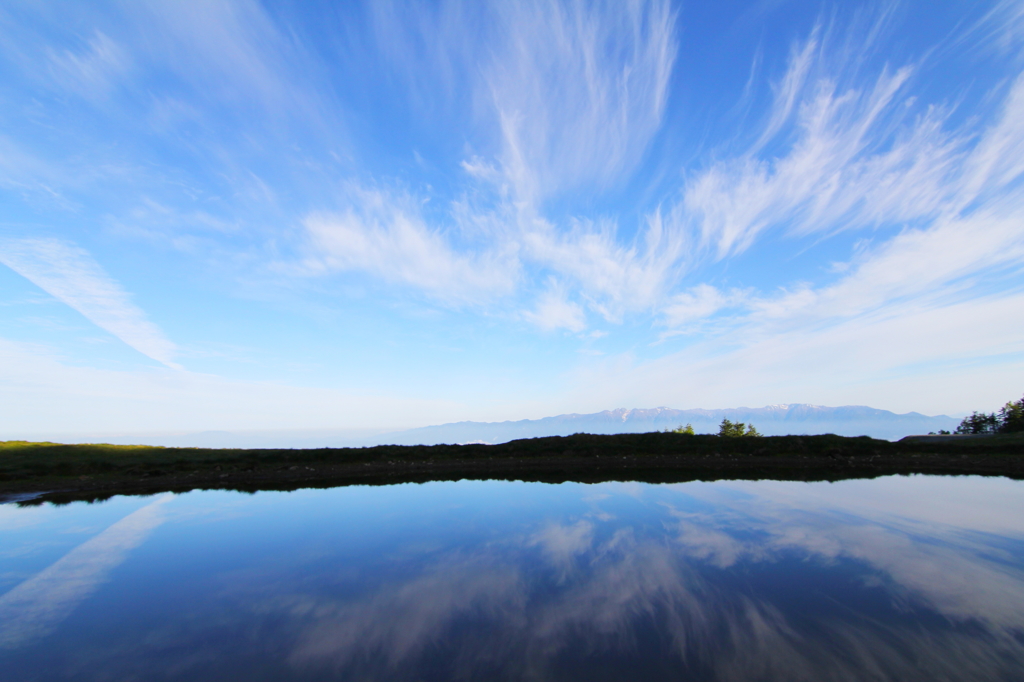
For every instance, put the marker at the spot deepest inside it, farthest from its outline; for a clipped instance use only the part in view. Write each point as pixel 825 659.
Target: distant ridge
pixel 771 420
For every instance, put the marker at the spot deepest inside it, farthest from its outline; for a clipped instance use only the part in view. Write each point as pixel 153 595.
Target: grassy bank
pixel 88 471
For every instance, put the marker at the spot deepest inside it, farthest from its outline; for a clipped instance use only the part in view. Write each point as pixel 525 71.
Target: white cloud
pixel 229 49
pixel 387 235
pixel 544 98
pixel 922 296
pixel 856 162
pixel 973 230
pixel 787 91
pixel 70 274
pixel 579 89
pixel 998 159
pixel 31 176
pixel 486 255
pixel 93 72
pixel 613 278
pixel 930 356
pixel 697 303
pixel 916 263
pixel 1002 27
pixel 837 174
pixel 560 94
pixel 853 156
pixel 850 153
pixel 553 311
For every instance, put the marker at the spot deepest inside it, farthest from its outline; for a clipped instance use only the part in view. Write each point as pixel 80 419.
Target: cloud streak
pixel 386 234
pixel 949 200
pixel 547 165
pixel 837 152
pixel 93 72
pixel 578 89
pixel 72 276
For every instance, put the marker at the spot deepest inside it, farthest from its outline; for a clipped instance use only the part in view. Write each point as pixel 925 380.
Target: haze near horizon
pixel 237 215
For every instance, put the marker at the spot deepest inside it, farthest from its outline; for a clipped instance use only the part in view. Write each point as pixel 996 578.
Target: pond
pixel 897 578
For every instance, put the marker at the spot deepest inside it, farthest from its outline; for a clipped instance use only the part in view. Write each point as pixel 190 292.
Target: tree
pixel 688 429
pixel 735 429
pixel 1011 417
pixel 978 423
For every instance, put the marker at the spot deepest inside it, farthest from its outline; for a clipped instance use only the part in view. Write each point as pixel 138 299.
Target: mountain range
pixel 772 420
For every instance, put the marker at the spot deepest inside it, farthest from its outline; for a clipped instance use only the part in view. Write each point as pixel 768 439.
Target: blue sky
pixel 306 215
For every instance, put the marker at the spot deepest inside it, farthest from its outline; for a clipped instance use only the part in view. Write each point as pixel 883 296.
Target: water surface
pixel 898 578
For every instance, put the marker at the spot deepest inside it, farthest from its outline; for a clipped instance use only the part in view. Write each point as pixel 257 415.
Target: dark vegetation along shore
pixel 37 472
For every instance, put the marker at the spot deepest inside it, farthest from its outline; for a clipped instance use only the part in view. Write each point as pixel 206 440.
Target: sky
pixel 239 215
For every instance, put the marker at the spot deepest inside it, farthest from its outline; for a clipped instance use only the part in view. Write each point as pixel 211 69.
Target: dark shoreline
pixel 32 473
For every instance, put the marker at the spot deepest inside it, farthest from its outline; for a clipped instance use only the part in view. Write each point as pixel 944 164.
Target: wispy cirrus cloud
pixel 841 148
pixel 974 226
pixel 230 52
pixel 858 160
pixel 698 303
pixel 1002 27
pixel 92 72
pixel 563 94
pixel 71 275
pixel 578 90
pixel 839 172
pixel 613 277
pixel 910 351
pixel 385 234
pixel 863 182
pixel 837 151
pixel 555 311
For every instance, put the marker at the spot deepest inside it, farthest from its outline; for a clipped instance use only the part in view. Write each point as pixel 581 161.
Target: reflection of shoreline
pixel 35 607
pixel 305 469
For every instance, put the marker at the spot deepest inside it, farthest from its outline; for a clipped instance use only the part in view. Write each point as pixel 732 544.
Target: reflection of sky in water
pixel 896 578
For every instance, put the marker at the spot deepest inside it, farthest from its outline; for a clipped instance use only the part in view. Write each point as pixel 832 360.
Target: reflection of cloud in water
pixel 35 607
pixel 401 621
pixel 711 545
pixel 952 571
pixel 563 543
pixel 497 614
pixel 952 581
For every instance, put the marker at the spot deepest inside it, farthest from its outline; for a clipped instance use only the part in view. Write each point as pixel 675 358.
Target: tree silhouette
pixel 1009 419
pixel 734 429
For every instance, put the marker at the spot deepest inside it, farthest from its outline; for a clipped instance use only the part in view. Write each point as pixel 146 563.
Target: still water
pixel 900 578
